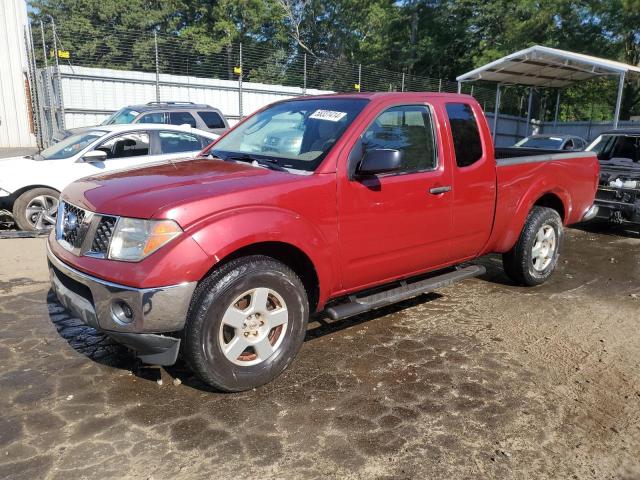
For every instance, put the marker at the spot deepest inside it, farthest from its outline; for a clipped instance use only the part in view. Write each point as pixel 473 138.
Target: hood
pixel 168 189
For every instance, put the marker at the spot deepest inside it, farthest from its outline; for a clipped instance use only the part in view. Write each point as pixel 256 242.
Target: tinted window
pixel 131 144
pixel 175 142
pixel 180 118
pixel 466 136
pixel 407 128
pixel 212 119
pixel 155 117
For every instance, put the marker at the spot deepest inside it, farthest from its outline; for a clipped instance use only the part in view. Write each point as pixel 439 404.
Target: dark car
pixel 200 116
pixel 618 196
pixel 565 143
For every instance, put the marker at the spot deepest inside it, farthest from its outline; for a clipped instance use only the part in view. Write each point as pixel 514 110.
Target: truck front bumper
pixel 131 316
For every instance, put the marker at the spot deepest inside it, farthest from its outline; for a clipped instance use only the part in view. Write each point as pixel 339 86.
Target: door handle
pixel 439 190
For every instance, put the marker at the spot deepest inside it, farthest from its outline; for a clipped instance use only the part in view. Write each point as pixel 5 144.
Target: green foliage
pixel 433 38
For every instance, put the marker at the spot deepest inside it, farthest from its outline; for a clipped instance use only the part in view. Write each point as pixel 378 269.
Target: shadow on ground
pixel 102 349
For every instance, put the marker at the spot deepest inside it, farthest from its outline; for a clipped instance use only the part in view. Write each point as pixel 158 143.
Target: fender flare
pixel 528 200
pixel 229 231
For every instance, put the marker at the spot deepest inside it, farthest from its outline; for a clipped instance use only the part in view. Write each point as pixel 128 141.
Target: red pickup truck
pixel 336 204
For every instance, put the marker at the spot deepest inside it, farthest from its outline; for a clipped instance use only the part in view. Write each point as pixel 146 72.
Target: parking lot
pixel 483 379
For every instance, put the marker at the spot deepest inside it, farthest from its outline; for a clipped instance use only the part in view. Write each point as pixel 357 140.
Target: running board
pixel 406 290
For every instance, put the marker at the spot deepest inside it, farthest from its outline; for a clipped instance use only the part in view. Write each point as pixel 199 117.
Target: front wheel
pixel 35 210
pixel 246 324
pixel 535 255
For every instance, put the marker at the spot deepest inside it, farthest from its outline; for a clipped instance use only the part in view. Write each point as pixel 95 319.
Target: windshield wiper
pixel 264 162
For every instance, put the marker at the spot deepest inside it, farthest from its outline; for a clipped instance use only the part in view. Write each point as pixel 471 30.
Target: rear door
pixel 474 179
pixel 393 225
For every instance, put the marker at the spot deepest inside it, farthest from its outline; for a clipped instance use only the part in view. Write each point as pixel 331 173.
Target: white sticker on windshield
pixel 330 115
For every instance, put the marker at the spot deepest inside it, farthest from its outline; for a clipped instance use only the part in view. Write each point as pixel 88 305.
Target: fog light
pixel 122 312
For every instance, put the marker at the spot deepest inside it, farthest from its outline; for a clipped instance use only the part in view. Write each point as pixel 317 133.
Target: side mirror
pixel 380 161
pixel 94 156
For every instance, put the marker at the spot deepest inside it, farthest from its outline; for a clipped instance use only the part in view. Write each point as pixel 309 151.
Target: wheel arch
pixel 14 196
pixel 553 201
pixel 556 199
pixel 286 253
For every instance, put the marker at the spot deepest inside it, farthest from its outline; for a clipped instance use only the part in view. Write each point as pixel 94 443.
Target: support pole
pixel 155 43
pixel 402 87
pixel 555 117
pixel 616 116
pixel 304 76
pixel 60 100
pixel 459 86
pixel 44 45
pixel 526 132
pixel 240 84
pixel 440 85
pixel 359 77
pixel 496 112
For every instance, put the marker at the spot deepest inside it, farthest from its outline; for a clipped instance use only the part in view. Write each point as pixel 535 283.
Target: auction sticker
pixel 330 115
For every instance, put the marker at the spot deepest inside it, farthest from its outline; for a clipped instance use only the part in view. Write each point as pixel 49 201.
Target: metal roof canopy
pixel 540 66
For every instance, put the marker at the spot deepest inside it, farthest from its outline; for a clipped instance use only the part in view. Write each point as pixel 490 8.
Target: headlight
pixel 135 239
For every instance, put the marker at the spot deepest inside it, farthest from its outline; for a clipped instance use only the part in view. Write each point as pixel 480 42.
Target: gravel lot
pixel 479 380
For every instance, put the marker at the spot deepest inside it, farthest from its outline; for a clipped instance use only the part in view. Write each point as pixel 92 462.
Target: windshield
pixel 294 134
pixel 71 145
pixel 549 143
pixel 124 115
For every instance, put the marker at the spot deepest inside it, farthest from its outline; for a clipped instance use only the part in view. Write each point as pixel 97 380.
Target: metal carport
pixel 547 67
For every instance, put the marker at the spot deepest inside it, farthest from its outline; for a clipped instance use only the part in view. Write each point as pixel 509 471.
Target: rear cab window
pixel 212 119
pixel 466 134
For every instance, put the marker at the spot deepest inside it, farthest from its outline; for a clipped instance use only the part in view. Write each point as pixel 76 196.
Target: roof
pixel 151 106
pixel 554 135
pixel 623 131
pixel 546 67
pixel 135 127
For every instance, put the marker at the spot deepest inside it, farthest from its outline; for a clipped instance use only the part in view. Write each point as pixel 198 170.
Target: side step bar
pixel 406 290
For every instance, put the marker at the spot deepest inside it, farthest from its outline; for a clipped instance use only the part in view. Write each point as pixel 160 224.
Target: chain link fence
pixel 56 50
pixel 158 66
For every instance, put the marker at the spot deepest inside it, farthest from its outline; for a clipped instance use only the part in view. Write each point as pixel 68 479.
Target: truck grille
pixel 103 234
pixel 83 232
pixel 72 220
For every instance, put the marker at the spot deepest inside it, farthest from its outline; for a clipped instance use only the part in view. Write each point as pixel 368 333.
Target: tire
pixel 524 266
pixel 229 296
pixel 35 210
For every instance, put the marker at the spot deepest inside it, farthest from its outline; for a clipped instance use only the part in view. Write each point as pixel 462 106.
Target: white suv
pixel 30 186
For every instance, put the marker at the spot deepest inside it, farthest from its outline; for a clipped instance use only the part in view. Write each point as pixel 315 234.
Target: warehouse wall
pixel 15 123
pixel 91 94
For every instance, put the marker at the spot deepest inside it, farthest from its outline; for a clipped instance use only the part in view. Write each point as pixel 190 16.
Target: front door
pixel 123 151
pixel 392 225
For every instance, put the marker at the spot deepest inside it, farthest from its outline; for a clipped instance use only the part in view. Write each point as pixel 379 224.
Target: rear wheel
pixel 36 209
pixel 246 323
pixel 534 257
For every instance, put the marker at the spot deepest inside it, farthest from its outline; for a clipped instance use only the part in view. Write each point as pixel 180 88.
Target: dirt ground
pixel 479 380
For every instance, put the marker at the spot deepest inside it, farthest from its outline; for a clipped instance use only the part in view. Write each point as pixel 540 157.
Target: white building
pixel 16 129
